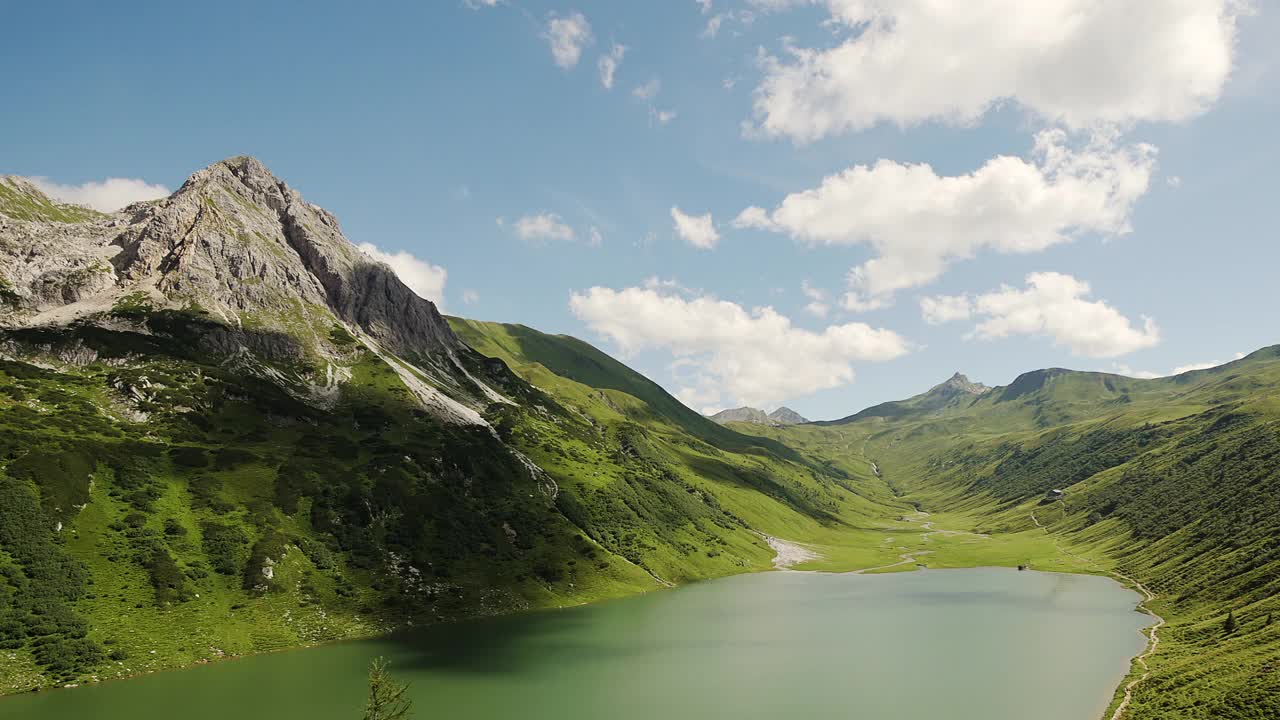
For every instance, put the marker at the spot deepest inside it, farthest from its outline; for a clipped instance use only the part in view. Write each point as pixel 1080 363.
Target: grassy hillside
pixel 161 506
pixel 165 500
pixel 1173 481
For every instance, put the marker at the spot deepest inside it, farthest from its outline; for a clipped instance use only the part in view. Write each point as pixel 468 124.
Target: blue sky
pixel 455 133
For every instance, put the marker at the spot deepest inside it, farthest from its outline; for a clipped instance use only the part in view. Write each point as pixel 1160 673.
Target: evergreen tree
pixel 1229 626
pixel 1268 622
pixel 387 699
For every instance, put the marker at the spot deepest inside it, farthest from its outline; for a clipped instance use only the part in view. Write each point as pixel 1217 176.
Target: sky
pixel 819 203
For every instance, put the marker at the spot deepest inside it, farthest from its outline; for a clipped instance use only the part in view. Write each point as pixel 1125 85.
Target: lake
pixel 979 644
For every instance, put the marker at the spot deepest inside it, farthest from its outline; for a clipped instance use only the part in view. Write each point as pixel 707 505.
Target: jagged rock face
pixel 50 255
pixel 239 244
pixel 238 241
pixel 787 416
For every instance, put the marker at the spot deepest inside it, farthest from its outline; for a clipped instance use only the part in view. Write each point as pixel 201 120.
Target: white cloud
pixel 941 308
pixel 697 230
pixel 1054 305
pixel 543 227
pixel 478 4
pixel 568 36
pixel 1173 181
pixel 648 90
pixel 704 6
pixel 713 26
pixel 594 238
pixel 817 305
pixel 1080 63
pixel 1146 374
pixel 662 117
pixel 754 357
pixel 646 93
pixel 470 297
pixel 1130 372
pixel 107 196
pixel 919 222
pixel 423 278
pixel 608 64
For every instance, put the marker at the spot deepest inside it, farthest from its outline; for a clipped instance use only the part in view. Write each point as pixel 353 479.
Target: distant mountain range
pixel 779 417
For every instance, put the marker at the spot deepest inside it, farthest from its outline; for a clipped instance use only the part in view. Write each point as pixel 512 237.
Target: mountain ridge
pixel 781 416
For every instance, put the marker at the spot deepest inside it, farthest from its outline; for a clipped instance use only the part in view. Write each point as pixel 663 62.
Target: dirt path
pixel 906 558
pixel 930 531
pixel 1153 638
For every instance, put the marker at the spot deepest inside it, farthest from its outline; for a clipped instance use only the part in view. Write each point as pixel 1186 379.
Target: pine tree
pixel 387 699
pixel 1268 622
pixel 1229 626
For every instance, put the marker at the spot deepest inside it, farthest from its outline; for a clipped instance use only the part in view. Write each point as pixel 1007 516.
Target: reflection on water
pixel 989 644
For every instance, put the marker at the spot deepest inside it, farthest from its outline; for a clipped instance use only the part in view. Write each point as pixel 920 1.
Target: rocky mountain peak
pixel 781 416
pixel 743 414
pixel 786 416
pixel 241 246
pixel 957 384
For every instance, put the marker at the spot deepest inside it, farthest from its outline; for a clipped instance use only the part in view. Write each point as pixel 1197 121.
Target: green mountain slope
pixel 223 430
pixel 1172 481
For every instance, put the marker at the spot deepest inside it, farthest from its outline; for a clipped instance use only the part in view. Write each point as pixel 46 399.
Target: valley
pixel 227 432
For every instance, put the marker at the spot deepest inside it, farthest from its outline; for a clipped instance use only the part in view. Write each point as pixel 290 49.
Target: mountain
pixel 954 392
pixel 787 416
pixel 781 416
pixel 220 420
pixel 225 430
pixel 743 414
pixel 1174 482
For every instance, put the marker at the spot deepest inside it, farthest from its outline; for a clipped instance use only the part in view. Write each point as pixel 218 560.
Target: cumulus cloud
pixel 478 4
pixel 423 278
pixel 1147 374
pixel 568 36
pixel 1055 306
pixel 594 237
pixel 608 64
pixel 941 308
pixel 755 357
pixel 697 230
pixel 106 196
pixel 543 227
pixel 470 297
pixel 1079 63
pixel 918 222
pixel 817 305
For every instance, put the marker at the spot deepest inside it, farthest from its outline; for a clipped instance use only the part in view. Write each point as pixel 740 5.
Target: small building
pixel 1054 494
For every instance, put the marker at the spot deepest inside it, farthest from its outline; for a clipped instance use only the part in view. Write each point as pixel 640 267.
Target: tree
pixel 1229 626
pixel 1268 622
pixel 387 699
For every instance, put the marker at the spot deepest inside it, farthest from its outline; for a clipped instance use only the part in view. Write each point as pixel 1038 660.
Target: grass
pixel 374 514
pixel 23 202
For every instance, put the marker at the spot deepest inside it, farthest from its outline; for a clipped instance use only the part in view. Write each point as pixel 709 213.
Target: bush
pixel 225 547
